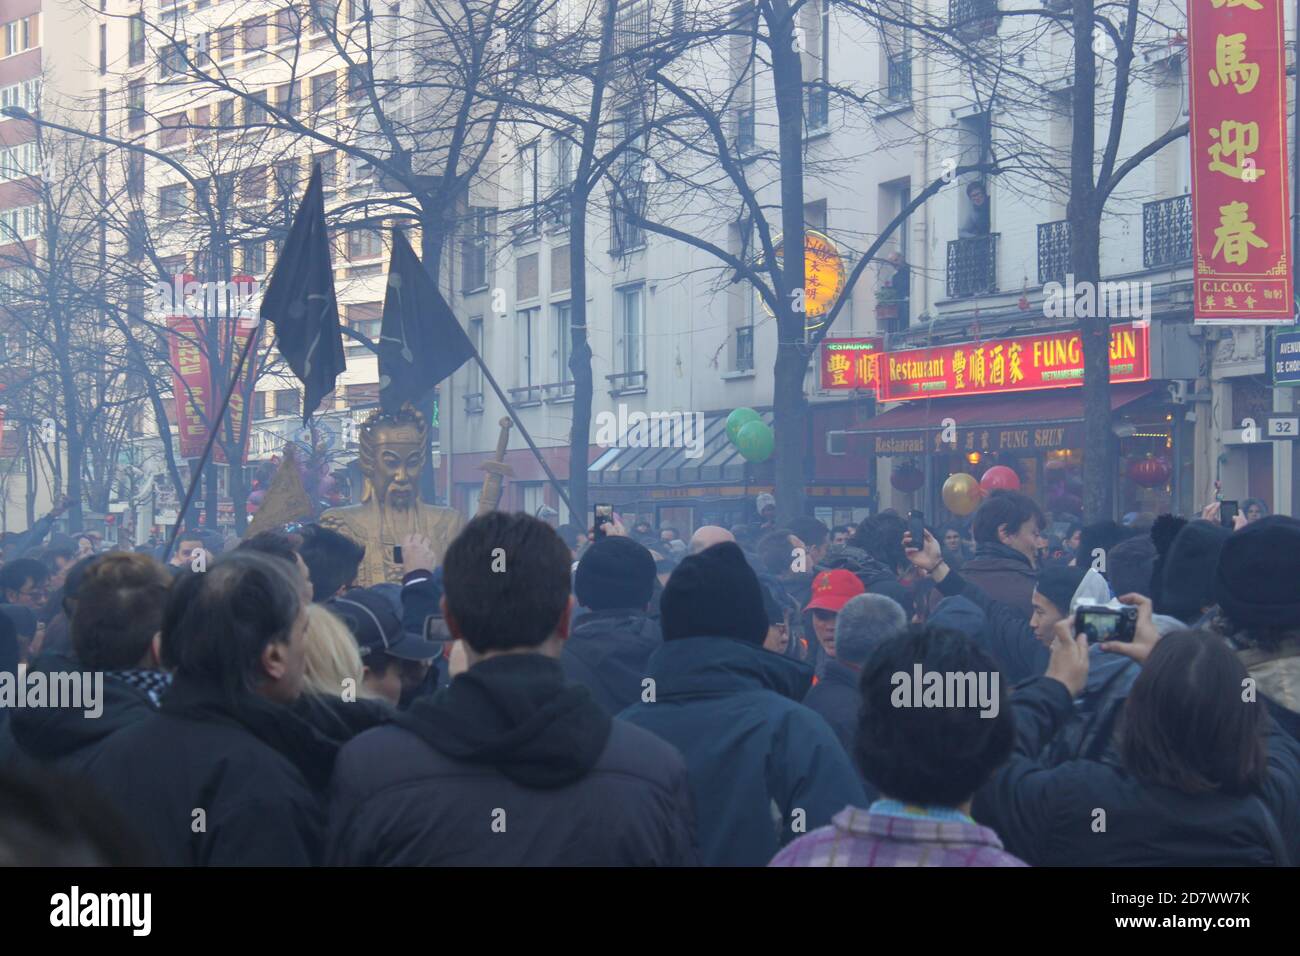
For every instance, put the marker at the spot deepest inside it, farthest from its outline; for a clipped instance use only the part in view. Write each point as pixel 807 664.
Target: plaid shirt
pixel 859 837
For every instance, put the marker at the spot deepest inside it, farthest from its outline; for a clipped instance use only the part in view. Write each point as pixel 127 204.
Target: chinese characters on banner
pixel 1241 232
pixel 1020 364
pixel 850 363
pixel 191 383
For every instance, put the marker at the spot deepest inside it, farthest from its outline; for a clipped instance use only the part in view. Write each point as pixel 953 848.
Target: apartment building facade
pixel 45 69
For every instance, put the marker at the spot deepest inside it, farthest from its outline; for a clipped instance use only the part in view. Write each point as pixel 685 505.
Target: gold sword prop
pixel 496 471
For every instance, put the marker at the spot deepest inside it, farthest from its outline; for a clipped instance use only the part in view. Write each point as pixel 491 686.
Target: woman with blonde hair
pixel 335 699
pixel 333 662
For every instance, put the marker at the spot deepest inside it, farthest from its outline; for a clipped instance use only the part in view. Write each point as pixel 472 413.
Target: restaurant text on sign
pixel 1023 363
pixel 850 363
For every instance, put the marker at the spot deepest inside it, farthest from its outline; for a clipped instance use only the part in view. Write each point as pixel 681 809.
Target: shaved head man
pixel 708 536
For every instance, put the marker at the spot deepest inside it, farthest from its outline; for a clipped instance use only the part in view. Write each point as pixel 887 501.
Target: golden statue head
pixel 393 447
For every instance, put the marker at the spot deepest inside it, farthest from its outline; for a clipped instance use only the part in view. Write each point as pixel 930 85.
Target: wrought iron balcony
pixel 558 391
pixel 972 266
pixel 525 395
pixel 1053 251
pixel 1167 232
pixel 899 80
pixel 528 227
pixel 973 19
pixel 626 383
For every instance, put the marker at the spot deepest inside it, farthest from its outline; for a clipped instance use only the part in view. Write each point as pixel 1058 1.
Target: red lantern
pixel 1150 472
pixel 907 477
pixel 1000 476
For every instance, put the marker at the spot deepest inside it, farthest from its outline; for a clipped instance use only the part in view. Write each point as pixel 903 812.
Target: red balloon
pixel 1000 476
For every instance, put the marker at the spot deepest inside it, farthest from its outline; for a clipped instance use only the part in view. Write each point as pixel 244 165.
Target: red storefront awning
pixel 1023 408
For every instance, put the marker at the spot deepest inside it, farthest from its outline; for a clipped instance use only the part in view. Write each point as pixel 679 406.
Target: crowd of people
pixel 785 694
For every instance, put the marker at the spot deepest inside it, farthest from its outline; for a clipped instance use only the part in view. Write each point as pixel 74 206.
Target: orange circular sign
pixel 824 273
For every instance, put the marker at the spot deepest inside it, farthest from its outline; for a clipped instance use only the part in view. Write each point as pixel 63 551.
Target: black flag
pixel 300 303
pixel 421 343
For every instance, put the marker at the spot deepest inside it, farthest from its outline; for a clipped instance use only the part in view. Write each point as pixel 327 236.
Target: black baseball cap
pixel 376 627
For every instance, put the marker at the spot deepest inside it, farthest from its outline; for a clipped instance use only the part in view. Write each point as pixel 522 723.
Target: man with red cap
pixel 831 590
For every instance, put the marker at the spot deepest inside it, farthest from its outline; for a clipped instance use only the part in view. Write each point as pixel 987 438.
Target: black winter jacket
pixel 1049 817
pixel 65 739
pixel 509 766
pixel 207 783
pixel 607 653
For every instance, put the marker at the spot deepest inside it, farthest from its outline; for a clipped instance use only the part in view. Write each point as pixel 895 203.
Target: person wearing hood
pixel 509 765
pixel 763 767
pixel 114 631
pixel 1257 590
pixel 862 622
pixel 1008 530
pixel 226 773
pixel 608 647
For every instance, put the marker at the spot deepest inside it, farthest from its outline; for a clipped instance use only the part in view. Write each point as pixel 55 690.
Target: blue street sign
pixel 1284 359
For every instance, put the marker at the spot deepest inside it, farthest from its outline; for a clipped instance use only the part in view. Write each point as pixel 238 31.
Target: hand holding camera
pixel 1144 636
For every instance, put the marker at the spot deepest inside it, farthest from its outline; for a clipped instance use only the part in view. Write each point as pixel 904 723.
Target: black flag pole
pixel 422 343
pixel 510 410
pixel 213 429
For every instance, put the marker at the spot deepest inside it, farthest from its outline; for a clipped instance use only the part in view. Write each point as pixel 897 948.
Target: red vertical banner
pixel 191 382
pixel 1241 203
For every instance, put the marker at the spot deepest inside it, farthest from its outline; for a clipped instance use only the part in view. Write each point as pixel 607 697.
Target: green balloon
pixel 738 419
pixel 755 441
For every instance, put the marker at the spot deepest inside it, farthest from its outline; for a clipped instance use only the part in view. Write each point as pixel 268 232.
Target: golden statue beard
pixel 405 501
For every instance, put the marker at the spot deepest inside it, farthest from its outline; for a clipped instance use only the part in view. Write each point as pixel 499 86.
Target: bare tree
pixel 1003 62
pixel 69 391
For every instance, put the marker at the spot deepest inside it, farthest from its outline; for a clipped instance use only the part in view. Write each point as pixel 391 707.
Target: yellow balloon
pixel 961 493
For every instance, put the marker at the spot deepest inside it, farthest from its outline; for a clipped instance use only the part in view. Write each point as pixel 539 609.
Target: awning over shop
pixel 710 458
pixel 1023 421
